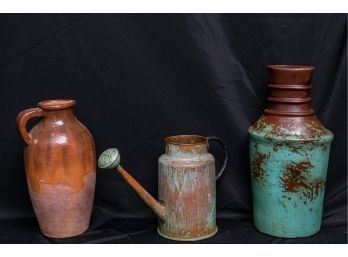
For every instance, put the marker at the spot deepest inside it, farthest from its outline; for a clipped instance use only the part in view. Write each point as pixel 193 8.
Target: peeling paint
pixel 297 130
pixel 288 178
pixel 257 167
pixel 297 178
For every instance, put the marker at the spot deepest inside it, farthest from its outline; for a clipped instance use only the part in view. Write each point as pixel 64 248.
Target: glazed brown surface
pixel 60 166
pixel 61 150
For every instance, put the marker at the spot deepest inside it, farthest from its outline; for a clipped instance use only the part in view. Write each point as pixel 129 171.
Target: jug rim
pixel 186 140
pixel 289 67
pixel 56 104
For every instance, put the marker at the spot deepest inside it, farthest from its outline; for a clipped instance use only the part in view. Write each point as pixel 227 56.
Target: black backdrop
pixel 138 78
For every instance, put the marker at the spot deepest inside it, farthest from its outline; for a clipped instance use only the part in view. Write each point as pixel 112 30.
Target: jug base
pixel 187 239
pixel 65 235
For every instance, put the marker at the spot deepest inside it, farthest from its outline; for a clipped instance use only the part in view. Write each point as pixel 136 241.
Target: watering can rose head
pixel 109 159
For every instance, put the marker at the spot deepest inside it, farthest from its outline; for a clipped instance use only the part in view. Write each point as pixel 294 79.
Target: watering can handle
pixel 223 145
pixel 22 120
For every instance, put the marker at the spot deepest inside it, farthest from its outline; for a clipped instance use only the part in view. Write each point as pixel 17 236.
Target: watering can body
pixel 186 187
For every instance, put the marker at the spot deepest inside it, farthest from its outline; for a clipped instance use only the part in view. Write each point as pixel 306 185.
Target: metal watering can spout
pixel 110 159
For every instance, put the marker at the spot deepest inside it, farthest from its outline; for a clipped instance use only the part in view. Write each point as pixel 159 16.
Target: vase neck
pixel 58 109
pixel 290 87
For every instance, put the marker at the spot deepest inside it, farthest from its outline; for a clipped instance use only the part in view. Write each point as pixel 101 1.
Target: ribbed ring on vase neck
pixel 289 93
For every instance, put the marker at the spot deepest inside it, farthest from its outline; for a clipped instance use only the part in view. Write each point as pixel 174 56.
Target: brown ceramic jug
pixel 60 166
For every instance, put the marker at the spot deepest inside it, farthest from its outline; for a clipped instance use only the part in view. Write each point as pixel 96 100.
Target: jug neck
pixel 61 109
pixel 289 90
pixel 185 146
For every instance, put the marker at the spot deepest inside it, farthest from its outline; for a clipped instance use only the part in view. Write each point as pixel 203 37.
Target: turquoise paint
pixel 280 208
pixel 211 216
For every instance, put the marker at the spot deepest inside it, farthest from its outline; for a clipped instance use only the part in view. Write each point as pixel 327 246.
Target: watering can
pixel 186 186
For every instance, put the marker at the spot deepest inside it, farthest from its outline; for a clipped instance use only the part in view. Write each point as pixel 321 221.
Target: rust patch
pixel 278 131
pixel 276 146
pixel 314 188
pixel 296 178
pixel 293 148
pixel 188 189
pixel 192 149
pixel 191 144
pixel 259 126
pixel 316 129
pixel 315 144
pixel 258 172
pixel 322 146
pixel 309 128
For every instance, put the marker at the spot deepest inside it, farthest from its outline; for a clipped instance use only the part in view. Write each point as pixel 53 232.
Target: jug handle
pixel 22 120
pixel 223 145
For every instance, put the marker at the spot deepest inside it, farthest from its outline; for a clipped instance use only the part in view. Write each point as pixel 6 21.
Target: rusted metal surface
pixel 289 153
pixel 186 187
pixel 60 167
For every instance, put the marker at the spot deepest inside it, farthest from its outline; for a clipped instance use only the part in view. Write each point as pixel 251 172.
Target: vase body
pixel 60 166
pixel 186 188
pixel 289 153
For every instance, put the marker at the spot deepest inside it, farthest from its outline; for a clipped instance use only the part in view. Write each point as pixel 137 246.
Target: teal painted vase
pixel 289 153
